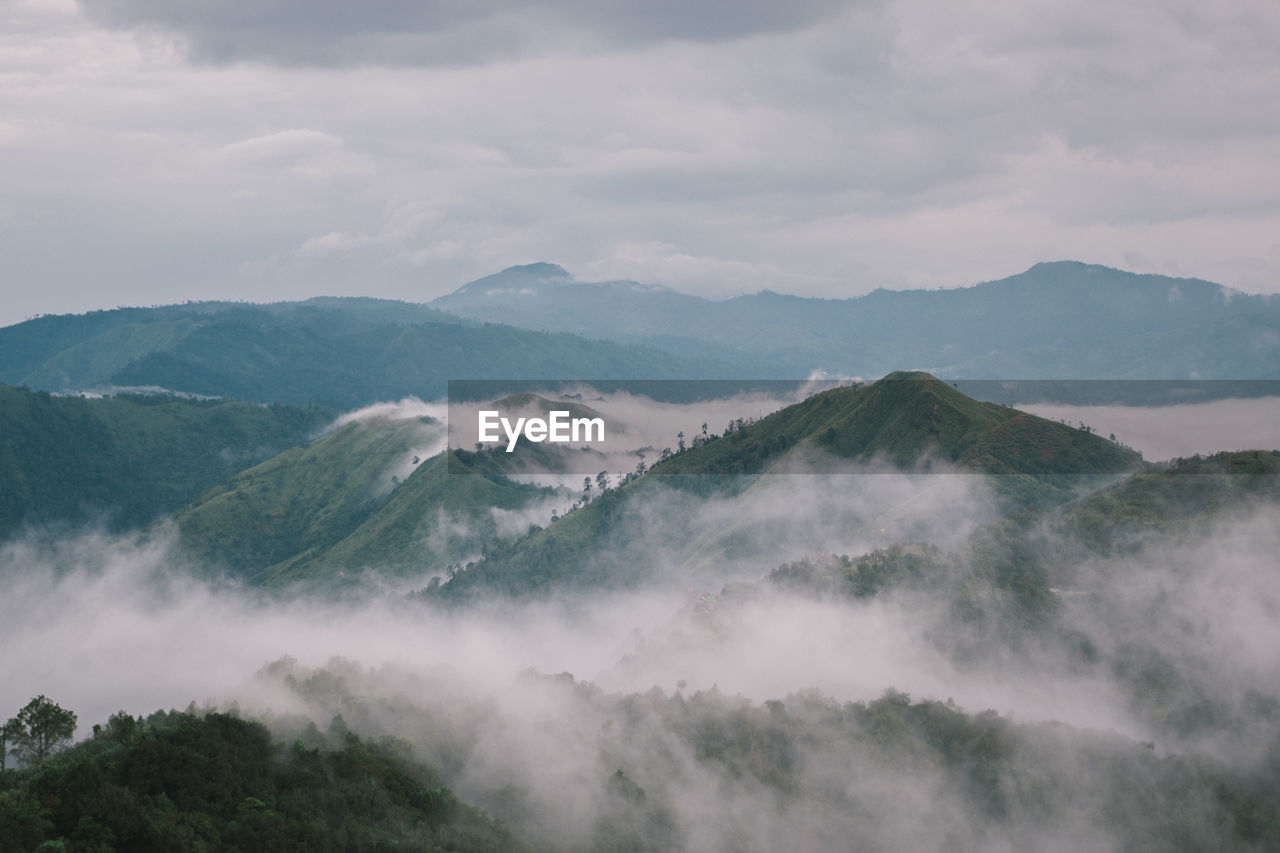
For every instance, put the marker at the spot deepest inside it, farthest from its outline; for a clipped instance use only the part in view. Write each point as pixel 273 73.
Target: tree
pixel 44 728
pixel 9 735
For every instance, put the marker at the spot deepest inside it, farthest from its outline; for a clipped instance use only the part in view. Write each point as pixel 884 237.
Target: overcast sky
pixel 153 151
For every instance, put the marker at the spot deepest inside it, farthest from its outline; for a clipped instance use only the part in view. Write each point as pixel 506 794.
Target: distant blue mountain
pixel 1059 320
pixel 336 352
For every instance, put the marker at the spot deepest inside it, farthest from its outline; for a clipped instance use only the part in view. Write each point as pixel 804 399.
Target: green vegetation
pixel 359 498
pixel 906 420
pixel 336 352
pixel 1181 498
pixel 659 771
pixel 206 782
pixel 712 771
pixel 441 515
pixel 303 501
pixel 128 459
pixel 865 576
pixel 41 729
pixel 998 582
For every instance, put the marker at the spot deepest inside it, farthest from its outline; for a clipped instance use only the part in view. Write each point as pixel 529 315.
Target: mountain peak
pixel 541 269
pixel 523 278
pixel 905 417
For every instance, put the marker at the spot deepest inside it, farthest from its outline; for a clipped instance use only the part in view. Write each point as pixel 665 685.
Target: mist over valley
pixel 864 614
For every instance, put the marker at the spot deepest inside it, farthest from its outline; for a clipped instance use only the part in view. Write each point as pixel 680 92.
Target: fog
pixel 1166 432
pixel 76 603
pixel 545 711
pixel 633 423
pixel 102 624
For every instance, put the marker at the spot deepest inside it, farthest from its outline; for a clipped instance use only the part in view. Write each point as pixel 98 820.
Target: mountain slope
pixel 337 352
pixel 365 496
pixel 306 499
pixel 439 516
pixel 130 458
pixel 905 419
pixel 1055 320
pixel 1182 498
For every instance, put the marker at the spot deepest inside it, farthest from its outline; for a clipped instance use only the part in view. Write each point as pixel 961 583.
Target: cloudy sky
pixel 154 151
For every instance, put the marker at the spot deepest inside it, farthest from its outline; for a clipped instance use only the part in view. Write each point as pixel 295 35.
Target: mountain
pixel 342 353
pixel 368 495
pixel 1056 320
pixel 128 459
pixel 905 420
pixel 440 516
pixel 77 351
pixel 904 417
pixel 545 296
pixel 1181 498
pixel 1063 320
pixel 304 500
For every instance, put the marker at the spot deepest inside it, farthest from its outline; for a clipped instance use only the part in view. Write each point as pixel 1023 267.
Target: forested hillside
pixel 212 781
pixel 343 353
pixel 126 460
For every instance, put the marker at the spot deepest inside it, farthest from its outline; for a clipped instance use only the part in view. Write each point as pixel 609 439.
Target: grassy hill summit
pixel 906 419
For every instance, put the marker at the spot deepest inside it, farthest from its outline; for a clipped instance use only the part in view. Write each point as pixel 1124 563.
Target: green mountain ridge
pixel 1181 498
pixel 435 518
pixel 905 419
pixel 128 459
pixel 336 352
pixel 362 497
pixel 302 501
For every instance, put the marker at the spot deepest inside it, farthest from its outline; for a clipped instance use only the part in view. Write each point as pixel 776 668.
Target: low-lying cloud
pixel 442 32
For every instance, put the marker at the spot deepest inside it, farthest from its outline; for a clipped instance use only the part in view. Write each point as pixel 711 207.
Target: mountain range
pixel 341 353
pixel 1062 320
pixel 1010 543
